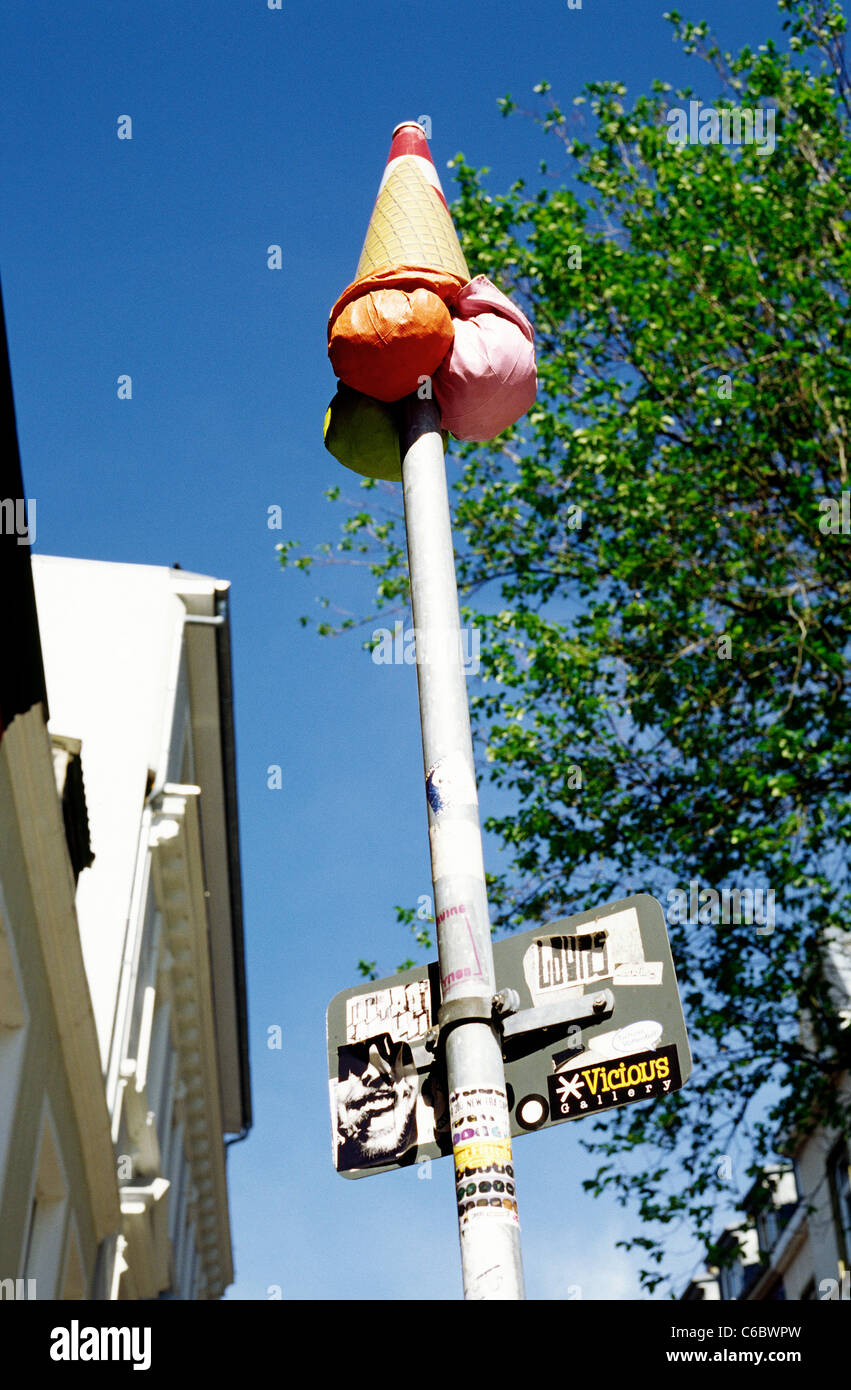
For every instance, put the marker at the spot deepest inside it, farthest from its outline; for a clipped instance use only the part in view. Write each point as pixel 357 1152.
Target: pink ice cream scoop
pixel 488 379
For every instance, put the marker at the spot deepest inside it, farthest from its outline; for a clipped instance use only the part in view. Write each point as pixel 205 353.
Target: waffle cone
pixel 411 226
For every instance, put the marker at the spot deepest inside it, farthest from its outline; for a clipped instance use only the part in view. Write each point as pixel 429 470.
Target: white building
pixel 797 1244
pixel 58 1190
pixel 137 667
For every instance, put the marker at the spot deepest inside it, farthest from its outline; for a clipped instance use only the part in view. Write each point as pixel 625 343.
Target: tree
pixel 657 560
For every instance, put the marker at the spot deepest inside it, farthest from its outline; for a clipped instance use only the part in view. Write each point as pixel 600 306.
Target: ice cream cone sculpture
pixel 410 224
pixel 412 315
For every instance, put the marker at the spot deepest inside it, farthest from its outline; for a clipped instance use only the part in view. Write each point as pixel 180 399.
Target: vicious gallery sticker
pixel 601 1086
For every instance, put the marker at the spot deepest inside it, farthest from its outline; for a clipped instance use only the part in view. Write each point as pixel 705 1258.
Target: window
pixel 768 1228
pixel 42 1245
pixel 732 1280
pixel 74 1283
pixel 13 1033
pixel 776 1292
pixel 840 1192
pixel 778 1190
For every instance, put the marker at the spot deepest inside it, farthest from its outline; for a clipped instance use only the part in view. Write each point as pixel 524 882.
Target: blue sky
pixel 148 256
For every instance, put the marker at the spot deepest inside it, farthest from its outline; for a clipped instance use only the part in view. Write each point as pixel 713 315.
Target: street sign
pixel 609 1029
pixel 387 1089
pixel 590 1016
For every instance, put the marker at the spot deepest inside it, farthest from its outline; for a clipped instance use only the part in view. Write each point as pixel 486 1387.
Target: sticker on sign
pixel 598 1024
pixel 641 1076
pixel 564 1071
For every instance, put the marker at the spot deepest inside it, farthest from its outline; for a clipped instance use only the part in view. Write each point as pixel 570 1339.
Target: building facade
pixel 795 1238
pixel 124 1070
pixel 59 1203
pixel 137 663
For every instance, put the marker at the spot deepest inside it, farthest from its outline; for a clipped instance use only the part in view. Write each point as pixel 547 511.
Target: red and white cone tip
pixel 409 137
pixel 411 225
pixel 409 142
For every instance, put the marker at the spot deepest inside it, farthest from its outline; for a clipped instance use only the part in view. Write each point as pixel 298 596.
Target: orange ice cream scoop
pixel 391 327
pixel 384 342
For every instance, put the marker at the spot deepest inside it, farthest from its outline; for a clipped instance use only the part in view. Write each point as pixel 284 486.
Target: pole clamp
pixel 527 1030
pixel 521 1030
pixel 456 1012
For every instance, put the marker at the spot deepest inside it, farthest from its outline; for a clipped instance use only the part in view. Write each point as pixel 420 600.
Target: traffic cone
pixel 410 224
pixel 412 314
pixel 391 328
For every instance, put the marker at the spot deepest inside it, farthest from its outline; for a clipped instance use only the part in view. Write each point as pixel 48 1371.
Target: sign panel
pixel 637 1049
pixel 388 1092
pixel 598 1023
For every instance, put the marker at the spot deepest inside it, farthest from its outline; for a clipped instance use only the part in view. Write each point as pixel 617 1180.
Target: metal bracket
pixel 520 1028
pixel 565 1012
pixel 456 1012
pixel 521 1031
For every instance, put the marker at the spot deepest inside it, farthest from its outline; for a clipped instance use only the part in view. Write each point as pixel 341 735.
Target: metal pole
pixel 488 1225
